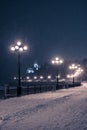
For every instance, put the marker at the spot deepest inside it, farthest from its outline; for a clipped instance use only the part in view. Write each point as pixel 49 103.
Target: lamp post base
pixel 19 91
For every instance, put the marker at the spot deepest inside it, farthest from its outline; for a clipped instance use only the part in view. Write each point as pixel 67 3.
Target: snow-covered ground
pixel 65 109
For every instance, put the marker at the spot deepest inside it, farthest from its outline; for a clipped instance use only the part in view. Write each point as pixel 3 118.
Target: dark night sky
pixel 49 27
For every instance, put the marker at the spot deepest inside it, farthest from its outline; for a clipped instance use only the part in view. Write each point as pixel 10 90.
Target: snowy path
pixel 61 110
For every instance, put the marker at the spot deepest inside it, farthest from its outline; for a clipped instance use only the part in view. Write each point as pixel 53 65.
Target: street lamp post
pixel 57 61
pixel 79 72
pixel 19 48
pixel 19 79
pixel 76 71
pixel 57 77
pixel 73 67
pixel 73 77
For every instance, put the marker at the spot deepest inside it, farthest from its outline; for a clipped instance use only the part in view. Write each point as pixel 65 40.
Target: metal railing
pixel 33 88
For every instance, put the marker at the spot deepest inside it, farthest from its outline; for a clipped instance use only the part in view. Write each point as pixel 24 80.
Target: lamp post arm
pixel 19 79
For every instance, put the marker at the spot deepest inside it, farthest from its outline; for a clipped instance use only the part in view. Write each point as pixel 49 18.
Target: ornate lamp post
pixel 79 71
pixel 57 61
pixel 18 48
pixel 73 67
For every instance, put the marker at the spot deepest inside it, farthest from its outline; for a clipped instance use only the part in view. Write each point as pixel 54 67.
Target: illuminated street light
pixel 15 78
pixel 79 70
pixel 49 76
pixel 70 76
pixel 35 77
pixel 57 61
pixel 25 48
pixel 12 48
pixel 75 70
pixel 19 43
pixel 58 76
pixel 41 77
pixel 18 48
pixel 27 77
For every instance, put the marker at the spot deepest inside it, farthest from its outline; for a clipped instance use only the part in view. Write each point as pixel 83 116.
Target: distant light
pixel 61 61
pixel 57 61
pixel 19 43
pixel 27 77
pixel 25 48
pixel 56 58
pixel 73 66
pixel 70 76
pixel 12 48
pixel 41 77
pixel 58 76
pixel 30 80
pixel 62 79
pixel 30 70
pixel 15 78
pixel 35 77
pixel 53 61
pixel 49 76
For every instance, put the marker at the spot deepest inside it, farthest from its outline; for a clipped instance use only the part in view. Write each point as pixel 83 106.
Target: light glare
pixel 21 49
pixel 19 43
pixel 35 77
pixel 57 58
pixel 53 61
pixel 12 49
pixel 25 48
pixel 49 77
pixel 16 47
pixel 27 78
pixel 41 77
pixel 57 61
